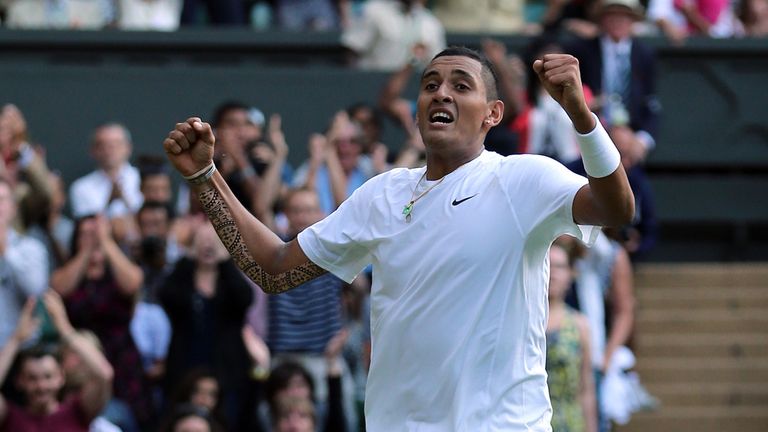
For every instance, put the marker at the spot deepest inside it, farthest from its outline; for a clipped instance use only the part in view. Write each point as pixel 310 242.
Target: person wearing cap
pixel 621 71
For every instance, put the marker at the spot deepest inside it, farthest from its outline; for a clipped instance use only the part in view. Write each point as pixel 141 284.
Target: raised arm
pixel 128 275
pixel 24 328
pixel 607 200
pixel 97 390
pixel 274 265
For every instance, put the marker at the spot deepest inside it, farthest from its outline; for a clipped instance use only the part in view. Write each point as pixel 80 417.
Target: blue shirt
pixel 305 318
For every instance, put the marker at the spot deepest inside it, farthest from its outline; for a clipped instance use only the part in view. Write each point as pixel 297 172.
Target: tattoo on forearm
pixel 225 227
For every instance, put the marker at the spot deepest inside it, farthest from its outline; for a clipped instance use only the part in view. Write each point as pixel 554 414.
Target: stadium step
pixel 701 340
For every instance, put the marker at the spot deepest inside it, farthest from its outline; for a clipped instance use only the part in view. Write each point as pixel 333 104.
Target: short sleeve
pixel 541 192
pixel 341 242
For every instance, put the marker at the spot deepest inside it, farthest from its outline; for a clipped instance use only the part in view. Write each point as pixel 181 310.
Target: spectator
pixel 502 139
pixel 53 228
pixel 163 15
pixel 23 266
pixel 291 381
pixel 100 286
pixel 156 253
pixel 23 167
pixel 303 321
pixel 41 378
pixel 206 299
pixel 154 180
pixel 269 159
pixel 200 388
pixel 217 12
pixel 572 15
pixel 58 14
pixel 335 168
pixel 294 414
pixel 236 125
pixel 669 20
pixel 569 367
pixel 480 16
pixel 604 293
pixel 388 31
pixel 319 15
pixel 371 123
pixel 76 375
pixel 621 71
pixel 754 17
pixel 543 126
pixel 639 236
pixel 189 418
pixel 113 188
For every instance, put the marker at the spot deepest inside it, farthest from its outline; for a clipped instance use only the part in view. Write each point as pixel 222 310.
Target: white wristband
pixel 598 152
pixel 201 176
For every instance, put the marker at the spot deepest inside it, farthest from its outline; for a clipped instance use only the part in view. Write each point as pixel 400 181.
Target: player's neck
pixel 440 164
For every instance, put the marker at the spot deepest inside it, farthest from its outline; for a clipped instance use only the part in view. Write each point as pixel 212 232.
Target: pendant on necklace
pixel 407 211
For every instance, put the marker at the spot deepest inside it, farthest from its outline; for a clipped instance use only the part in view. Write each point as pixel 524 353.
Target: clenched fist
pixel 189 146
pixel 560 76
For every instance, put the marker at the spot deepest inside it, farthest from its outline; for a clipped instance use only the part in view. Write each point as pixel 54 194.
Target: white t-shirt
pixel 90 194
pixel 459 296
pixel 384 36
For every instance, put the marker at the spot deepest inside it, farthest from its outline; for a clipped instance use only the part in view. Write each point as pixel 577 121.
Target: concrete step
pixel 701 345
pixel 695 370
pixel 701 297
pixel 700 419
pixel 711 394
pixel 701 275
pixel 701 321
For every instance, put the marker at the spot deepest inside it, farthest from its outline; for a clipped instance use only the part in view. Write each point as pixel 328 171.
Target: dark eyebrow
pixel 461 72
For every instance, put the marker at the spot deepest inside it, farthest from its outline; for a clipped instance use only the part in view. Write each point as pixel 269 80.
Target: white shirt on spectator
pixel 459 296
pixel 23 273
pixel 161 15
pixel 385 35
pixel 90 194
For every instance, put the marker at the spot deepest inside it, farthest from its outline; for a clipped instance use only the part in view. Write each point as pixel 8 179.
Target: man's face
pixel 349 147
pixel 153 222
pixel 295 420
pixel 236 124
pixel 156 188
pixel 371 132
pixel 40 379
pixel 206 394
pixel 452 104
pixel 110 147
pixel 302 210
pixel 617 22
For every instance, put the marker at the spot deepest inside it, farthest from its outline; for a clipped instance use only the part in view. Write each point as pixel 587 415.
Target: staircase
pixel 701 340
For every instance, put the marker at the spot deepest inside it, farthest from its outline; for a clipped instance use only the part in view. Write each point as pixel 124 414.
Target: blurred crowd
pixel 121 310
pixel 374 19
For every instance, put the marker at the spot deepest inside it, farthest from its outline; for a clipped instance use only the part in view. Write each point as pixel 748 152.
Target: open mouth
pixel 441 117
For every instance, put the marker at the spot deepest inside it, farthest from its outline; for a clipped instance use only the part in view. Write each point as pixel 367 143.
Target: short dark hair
pixel 157 205
pixel 182 411
pixel 490 78
pixel 281 375
pixel 37 352
pixel 151 165
pixel 224 109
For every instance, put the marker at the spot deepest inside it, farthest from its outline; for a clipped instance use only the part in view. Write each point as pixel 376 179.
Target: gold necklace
pixel 409 207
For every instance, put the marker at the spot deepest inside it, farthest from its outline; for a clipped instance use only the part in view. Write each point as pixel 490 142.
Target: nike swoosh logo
pixel 457 202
